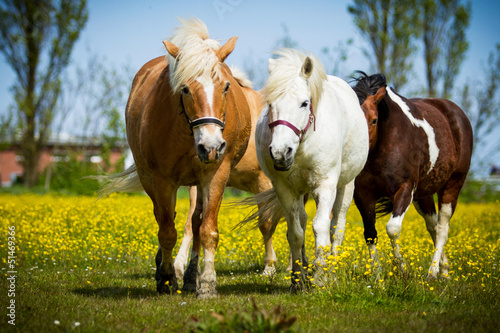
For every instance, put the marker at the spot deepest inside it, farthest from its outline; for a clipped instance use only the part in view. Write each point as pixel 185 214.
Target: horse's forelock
pixel 196 56
pixel 287 69
pixel 368 85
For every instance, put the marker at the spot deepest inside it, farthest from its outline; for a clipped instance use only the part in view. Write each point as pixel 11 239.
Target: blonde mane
pixel 196 56
pixel 287 70
pixel 241 77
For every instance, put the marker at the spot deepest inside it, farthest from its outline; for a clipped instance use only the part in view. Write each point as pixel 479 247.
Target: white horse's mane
pixel 196 56
pixel 287 69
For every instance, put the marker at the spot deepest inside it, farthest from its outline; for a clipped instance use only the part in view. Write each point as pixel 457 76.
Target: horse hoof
pixel 431 277
pixel 179 271
pixel 269 271
pixel 206 294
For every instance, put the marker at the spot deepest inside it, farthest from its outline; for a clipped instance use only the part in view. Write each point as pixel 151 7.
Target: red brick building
pixel 57 151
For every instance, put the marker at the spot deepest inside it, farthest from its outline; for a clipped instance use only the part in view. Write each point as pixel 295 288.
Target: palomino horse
pixel 247 176
pixel 312 138
pixel 418 147
pixel 188 123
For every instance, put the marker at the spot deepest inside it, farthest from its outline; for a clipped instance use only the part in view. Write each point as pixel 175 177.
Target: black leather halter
pixel 203 120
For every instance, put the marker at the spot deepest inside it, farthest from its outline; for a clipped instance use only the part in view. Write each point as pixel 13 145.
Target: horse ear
pixel 172 49
pixel 380 94
pixel 307 67
pixel 271 65
pixel 227 48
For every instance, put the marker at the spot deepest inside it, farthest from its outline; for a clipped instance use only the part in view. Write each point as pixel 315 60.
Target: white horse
pixel 311 138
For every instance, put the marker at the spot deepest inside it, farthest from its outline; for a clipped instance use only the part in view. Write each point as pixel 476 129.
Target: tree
pixel 335 57
pixel 100 91
pixel 484 111
pixel 391 28
pixel 444 23
pixel 36 38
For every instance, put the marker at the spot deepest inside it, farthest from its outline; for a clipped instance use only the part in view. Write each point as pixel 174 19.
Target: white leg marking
pixel 445 212
pixel 393 229
pixel 270 259
pixel 422 123
pixel 431 221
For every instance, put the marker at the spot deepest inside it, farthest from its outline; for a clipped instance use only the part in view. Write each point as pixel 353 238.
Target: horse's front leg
pixel 401 202
pixel 193 269
pixel 296 219
pixel 340 208
pixel 164 209
pixel 182 256
pixel 324 195
pixel 213 192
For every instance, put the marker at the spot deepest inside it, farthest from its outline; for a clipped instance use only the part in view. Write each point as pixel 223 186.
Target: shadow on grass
pixel 139 276
pixel 250 288
pixel 117 292
pixel 223 289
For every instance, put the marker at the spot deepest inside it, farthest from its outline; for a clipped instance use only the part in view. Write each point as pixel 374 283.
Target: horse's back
pixel 355 132
pixel 144 81
pixel 457 123
pixel 247 174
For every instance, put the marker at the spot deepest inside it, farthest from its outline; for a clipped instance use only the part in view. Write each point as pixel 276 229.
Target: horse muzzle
pixel 210 154
pixel 282 158
pixel 209 143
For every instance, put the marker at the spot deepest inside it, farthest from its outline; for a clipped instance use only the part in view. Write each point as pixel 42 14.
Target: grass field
pixel 88 266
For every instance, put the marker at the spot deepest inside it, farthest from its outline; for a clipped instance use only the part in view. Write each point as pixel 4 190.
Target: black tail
pixel 383 207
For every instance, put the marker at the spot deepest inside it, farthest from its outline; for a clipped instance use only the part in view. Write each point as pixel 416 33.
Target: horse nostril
pixel 222 147
pixel 289 152
pixel 201 148
pixel 271 152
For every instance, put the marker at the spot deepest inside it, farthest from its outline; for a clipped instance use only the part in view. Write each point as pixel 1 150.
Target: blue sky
pixel 130 32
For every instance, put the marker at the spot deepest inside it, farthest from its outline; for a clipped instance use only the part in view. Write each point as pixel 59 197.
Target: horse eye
pixel 226 88
pixel 304 104
pixel 185 90
pixel 374 122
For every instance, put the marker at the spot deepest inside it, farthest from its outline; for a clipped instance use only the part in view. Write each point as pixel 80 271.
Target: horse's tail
pixel 268 209
pixel 126 181
pixel 384 206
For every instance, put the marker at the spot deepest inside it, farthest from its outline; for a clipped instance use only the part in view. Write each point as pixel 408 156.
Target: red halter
pixel 300 133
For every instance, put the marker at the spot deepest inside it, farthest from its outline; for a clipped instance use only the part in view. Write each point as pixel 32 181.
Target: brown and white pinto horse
pixel 418 147
pixel 188 123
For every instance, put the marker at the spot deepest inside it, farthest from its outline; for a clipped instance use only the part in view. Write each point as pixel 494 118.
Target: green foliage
pixel 259 320
pixel 480 191
pixel 481 103
pixel 444 23
pixel 68 177
pixel 391 29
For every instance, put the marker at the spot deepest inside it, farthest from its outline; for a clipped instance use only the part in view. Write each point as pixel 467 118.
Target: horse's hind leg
pixel 270 259
pixel 182 256
pixel 447 201
pixel 339 218
pixel 164 209
pixel 426 208
pixel 365 202
pixel 192 272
